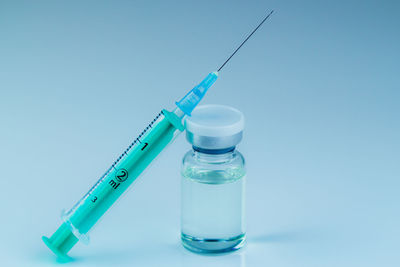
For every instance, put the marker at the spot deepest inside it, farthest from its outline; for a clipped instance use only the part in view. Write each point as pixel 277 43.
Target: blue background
pixel 318 84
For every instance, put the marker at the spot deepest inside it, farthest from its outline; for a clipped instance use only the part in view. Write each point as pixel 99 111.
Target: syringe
pixel 154 138
pixel 125 170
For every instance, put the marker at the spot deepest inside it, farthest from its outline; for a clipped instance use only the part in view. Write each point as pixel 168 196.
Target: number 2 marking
pixel 121 175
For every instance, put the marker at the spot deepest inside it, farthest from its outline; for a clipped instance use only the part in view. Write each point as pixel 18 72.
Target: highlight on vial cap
pixel 193 98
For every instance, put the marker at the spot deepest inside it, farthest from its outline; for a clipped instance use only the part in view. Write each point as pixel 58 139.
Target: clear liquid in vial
pixel 212 219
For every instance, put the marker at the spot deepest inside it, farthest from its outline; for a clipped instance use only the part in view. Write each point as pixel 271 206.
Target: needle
pixel 248 37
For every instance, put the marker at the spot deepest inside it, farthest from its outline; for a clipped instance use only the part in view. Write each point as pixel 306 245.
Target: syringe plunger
pixel 61 241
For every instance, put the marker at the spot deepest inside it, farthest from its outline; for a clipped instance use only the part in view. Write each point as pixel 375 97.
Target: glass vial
pixel 213 181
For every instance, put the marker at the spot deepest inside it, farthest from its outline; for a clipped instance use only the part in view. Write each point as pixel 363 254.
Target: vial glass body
pixel 212 201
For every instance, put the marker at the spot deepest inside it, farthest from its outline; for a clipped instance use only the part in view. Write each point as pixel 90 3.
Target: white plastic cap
pixel 214 127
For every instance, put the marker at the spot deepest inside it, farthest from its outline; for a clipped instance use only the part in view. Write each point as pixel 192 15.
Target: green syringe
pixel 155 137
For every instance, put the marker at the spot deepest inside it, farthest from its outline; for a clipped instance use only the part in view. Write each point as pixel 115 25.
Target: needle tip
pixel 245 40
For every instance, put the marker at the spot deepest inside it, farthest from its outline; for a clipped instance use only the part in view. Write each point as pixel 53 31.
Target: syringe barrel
pixel 84 215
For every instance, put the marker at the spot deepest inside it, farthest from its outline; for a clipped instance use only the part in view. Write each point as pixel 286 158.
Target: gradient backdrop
pixel 318 84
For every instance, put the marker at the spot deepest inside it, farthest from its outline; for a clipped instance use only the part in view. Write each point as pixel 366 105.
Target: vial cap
pixel 214 127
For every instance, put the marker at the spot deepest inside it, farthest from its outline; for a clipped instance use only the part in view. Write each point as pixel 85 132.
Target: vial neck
pixel 214 155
